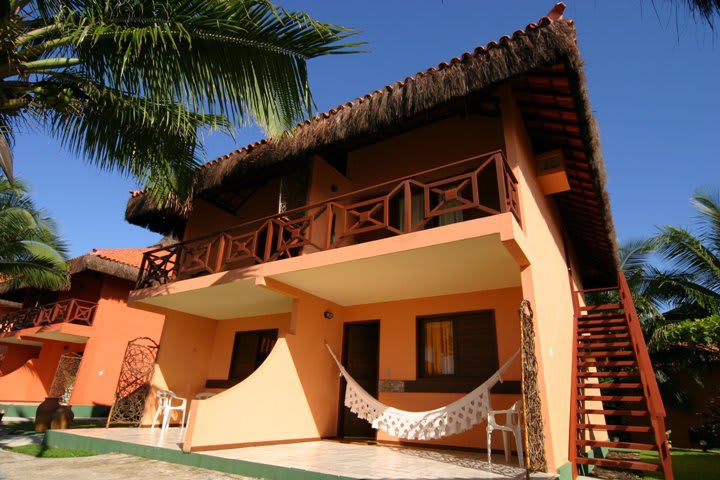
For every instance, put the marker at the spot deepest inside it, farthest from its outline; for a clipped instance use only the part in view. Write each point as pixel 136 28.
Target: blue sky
pixel 653 79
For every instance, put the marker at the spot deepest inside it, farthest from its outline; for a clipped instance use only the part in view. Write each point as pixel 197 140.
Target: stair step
pixel 611 398
pixel 612 328
pixel 607 353
pixel 609 336
pixel 605 306
pixel 621 413
pixel 608 374
pixel 598 289
pixel 607 444
pixel 615 428
pixel 601 316
pixel 605 345
pixel 586 323
pixel 609 364
pixel 626 464
pixel 610 385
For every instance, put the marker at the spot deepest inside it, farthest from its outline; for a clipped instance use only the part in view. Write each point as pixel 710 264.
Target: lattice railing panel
pixel 65 375
pixel 134 381
pixel 478 186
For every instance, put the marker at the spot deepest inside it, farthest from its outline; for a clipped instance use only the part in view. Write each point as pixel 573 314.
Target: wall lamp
pixel 328 314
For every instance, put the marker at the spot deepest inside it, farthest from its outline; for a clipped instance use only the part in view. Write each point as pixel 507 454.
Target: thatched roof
pixel 118 262
pixel 541 63
pixel 10 304
pixel 122 263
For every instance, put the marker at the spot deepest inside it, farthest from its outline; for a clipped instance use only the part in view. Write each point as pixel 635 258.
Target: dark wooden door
pixel 361 346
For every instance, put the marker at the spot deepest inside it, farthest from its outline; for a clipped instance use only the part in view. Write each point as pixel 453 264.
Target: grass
pixel 687 464
pixel 27 427
pixel 43 451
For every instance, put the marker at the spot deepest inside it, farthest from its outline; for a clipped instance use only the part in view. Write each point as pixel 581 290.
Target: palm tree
pixel 707 9
pixel 692 280
pixel 31 255
pixel 687 287
pixel 132 85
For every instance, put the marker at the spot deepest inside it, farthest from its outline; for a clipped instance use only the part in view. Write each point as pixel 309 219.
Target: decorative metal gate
pixel 134 382
pixel 64 380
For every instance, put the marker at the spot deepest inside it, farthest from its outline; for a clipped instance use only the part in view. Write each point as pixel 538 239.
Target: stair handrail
pixel 647 374
pixel 573 434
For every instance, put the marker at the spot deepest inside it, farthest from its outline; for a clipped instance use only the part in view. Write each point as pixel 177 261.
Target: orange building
pixel 89 324
pixel 404 229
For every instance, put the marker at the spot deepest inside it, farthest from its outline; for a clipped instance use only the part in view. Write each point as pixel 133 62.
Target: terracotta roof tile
pixel 126 256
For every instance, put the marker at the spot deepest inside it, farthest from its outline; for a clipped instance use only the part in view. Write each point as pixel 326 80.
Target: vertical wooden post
pixel 502 190
pixel 407 193
pixel 220 253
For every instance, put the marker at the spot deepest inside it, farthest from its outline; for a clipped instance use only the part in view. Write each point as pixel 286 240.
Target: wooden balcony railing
pixel 73 310
pixel 472 188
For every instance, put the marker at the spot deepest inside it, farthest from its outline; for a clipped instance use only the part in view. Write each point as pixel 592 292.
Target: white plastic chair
pixel 166 398
pixel 512 425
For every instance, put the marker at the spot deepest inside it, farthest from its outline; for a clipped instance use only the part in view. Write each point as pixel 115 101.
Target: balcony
pixel 473 188
pixel 79 312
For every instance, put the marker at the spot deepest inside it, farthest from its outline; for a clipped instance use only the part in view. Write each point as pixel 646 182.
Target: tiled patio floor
pixel 345 459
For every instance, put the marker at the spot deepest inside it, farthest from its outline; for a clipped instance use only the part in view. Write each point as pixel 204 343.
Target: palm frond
pixel 31 253
pixel 708 210
pixel 156 142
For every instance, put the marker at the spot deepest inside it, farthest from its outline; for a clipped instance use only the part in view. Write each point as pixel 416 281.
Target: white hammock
pixel 457 417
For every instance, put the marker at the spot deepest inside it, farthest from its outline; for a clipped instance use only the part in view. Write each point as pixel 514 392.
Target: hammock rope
pixel 454 418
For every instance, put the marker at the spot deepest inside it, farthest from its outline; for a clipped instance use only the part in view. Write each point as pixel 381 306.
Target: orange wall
pixel 182 362
pixel 219 362
pixel 207 218
pixel 85 285
pixel 545 283
pixel 437 144
pixel 398 350
pixel 295 393
pixel 16 356
pixel 31 382
pixel 114 326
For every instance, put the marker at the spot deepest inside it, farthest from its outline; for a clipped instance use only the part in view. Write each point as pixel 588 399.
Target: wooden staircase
pixel 614 390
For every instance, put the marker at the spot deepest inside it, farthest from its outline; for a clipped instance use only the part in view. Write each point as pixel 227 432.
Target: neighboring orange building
pixel 426 210
pixel 90 318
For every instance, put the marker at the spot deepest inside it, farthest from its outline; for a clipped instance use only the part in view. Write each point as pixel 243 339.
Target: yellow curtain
pixel 439 348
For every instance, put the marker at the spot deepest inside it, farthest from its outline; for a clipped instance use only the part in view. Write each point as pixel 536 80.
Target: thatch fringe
pixel 90 262
pixel 10 304
pixel 102 265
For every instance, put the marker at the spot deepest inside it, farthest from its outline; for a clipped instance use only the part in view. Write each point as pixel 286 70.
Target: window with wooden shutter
pixel 456 352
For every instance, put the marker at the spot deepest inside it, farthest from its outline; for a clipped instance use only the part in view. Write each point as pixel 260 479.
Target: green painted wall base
pixel 55 438
pixel 27 410
pixel 565 470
